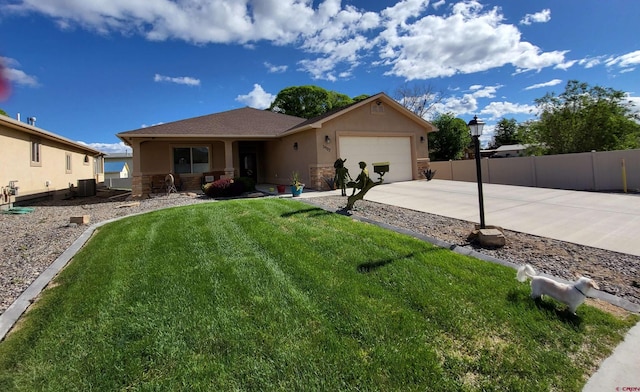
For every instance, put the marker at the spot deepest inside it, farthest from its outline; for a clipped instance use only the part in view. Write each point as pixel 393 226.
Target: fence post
pixel 451 169
pixel 594 177
pixel 488 170
pixel 534 171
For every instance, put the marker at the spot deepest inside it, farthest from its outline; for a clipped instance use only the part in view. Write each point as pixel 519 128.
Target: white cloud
pixel 189 81
pixel 634 104
pixel 15 75
pixel 590 62
pixel 550 83
pixel 566 65
pixel 438 4
pixel 539 17
pixel 257 98
pixel 409 40
pixel 629 60
pixel 275 68
pixel 498 110
pixel 457 105
pixel 468 40
pixel 152 125
pixel 485 91
pixel 108 148
pixel 468 104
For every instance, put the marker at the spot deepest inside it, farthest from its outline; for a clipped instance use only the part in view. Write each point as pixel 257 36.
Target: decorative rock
pixel 80 220
pixel 492 238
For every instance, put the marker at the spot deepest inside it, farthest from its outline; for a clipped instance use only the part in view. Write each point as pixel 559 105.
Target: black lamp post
pixel 476 126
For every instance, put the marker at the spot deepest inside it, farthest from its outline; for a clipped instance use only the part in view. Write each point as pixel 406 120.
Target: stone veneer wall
pixel 136 186
pixel 191 183
pixel 423 165
pixel 317 176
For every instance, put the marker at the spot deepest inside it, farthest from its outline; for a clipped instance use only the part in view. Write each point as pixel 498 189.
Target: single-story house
pixel 116 170
pixel 509 151
pixel 120 157
pixel 36 163
pixel 269 147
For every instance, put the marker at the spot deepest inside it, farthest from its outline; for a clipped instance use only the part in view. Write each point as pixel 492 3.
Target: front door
pixel 248 165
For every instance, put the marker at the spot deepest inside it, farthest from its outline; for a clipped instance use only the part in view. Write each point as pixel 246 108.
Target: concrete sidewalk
pixel 602 220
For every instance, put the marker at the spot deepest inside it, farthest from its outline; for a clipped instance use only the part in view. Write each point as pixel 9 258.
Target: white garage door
pixel 395 150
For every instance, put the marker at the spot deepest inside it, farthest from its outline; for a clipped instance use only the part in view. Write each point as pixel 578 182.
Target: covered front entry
pixel 249 154
pixel 370 149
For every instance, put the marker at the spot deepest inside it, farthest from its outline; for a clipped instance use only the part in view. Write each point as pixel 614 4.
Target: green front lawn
pixel 275 294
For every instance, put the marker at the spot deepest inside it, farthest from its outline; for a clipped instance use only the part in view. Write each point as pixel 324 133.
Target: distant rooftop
pixel 119 155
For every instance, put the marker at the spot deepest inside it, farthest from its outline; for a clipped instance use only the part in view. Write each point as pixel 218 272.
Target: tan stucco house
pixel 270 146
pixel 36 163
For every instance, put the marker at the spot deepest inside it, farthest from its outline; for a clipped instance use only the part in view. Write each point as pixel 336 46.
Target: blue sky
pixel 88 69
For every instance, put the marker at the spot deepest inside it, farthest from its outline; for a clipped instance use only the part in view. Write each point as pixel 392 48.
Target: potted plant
pixel 279 186
pixel 296 184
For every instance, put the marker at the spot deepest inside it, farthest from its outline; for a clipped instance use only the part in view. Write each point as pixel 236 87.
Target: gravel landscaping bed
pixel 31 242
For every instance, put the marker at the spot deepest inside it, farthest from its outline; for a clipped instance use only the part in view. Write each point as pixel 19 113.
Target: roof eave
pixel 128 137
pixel 32 130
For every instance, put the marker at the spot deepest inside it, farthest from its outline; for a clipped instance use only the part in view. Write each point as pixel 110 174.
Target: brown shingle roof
pixel 243 122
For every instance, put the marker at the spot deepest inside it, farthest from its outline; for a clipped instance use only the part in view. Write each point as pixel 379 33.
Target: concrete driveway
pixel 602 220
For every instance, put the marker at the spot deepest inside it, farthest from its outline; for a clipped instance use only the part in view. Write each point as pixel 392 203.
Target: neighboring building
pixel 269 146
pixel 35 162
pixel 509 151
pixel 119 157
pixel 116 170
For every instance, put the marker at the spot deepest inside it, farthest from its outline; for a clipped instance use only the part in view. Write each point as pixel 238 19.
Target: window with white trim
pixel 68 162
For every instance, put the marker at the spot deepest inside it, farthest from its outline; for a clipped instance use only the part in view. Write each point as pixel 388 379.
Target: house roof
pixel 511 147
pixel 245 122
pixel 41 133
pixel 250 123
pixel 118 155
pixel 114 167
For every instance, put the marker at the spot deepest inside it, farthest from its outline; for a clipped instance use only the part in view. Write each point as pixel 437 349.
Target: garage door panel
pixel 395 150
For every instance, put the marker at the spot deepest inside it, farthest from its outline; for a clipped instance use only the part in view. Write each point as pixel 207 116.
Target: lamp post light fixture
pixel 476 126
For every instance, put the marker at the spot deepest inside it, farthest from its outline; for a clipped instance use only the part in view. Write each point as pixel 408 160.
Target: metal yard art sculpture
pixel 340 179
pixel 363 182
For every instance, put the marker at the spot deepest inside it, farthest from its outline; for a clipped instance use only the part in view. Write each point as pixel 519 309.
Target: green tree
pixel 451 138
pixel 338 100
pixel 506 132
pixel 308 101
pixel 3 112
pixel 360 97
pixel 585 118
pixel 527 132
